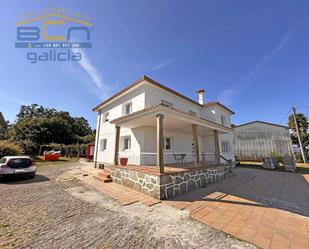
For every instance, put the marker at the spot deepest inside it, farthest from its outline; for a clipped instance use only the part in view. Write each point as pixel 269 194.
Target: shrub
pixel 278 156
pixel 9 149
pixel 299 157
pixel 30 148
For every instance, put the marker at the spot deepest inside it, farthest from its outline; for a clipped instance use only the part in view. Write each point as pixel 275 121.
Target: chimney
pixel 200 95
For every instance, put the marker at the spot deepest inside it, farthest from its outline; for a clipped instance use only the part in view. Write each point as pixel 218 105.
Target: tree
pixel 302 122
pixel 2 133
pixel 4 125
pixel 81 127
pixel 37 125
pixel 35 111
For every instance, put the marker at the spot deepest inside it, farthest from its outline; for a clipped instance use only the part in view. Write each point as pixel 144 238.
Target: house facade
pixel 258 139
pixel 151 124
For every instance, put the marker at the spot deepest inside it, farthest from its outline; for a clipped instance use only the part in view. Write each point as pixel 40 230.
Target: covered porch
pixel 168 137
pixel 161 168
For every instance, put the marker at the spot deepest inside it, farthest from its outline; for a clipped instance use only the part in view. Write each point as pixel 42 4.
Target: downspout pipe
pixel 97 140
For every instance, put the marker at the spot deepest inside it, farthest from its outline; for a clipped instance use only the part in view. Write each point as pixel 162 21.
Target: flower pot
pixel 123 161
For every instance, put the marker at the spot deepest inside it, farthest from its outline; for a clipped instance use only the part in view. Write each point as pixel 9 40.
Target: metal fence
pixel 170 159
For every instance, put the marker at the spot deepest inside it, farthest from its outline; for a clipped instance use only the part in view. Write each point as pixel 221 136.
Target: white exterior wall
pixel 107 130
pixel 181 143
pixel 227 137
pixel 215 112
pixel 154 95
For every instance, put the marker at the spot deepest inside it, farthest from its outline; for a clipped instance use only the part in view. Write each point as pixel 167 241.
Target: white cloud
pixel 268 57
pixel 15 100
pixel 229 95
pixel 89 77
pixel 161 65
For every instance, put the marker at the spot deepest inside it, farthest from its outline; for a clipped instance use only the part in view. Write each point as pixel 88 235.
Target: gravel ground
pixel 46 213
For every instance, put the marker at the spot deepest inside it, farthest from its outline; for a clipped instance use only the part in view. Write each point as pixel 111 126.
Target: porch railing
pixel 170 159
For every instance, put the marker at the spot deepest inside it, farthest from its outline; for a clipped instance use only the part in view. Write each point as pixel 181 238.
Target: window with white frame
pixel 225 147
pixel 166 103
pixel 167 145
pixel 127 108
pixel 223 120
pixel 126 143
pixel 106 117
pixel 103 144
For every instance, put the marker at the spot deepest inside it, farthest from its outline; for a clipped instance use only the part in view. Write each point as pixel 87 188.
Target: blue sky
pixel 252 56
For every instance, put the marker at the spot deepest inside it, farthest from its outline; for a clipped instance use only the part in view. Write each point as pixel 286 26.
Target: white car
pixel 17 166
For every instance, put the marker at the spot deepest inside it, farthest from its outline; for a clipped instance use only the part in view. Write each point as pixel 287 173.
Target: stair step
pixel 103 179
pixel 108 170
pixel 105 174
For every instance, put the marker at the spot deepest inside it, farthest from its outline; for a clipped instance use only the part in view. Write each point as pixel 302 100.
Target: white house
pixel 151 124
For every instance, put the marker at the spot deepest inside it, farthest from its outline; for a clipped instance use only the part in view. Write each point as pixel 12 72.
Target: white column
pixel 217 146
pixel 160 163
pixel 196 150
pixel 117 138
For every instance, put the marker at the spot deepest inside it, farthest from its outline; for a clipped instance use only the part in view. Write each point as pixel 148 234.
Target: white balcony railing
pixel 172 159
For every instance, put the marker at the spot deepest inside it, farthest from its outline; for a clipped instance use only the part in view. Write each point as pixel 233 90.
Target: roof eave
pixel 219 104
pixel 161 107
pixel 151 81
pixel 262 122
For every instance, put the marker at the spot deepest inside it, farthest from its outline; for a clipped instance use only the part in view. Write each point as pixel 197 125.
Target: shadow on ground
pixel 14 180
pixel 281 190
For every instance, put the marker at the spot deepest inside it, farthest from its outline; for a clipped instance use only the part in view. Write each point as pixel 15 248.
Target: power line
pixel 302 107
pixel 285 116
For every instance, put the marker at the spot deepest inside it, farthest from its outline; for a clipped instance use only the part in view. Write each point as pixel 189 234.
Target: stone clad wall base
pixel 179 183
pixel 165 186
pixel 139 181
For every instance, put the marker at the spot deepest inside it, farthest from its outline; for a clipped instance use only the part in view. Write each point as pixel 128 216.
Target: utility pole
pixel 298 135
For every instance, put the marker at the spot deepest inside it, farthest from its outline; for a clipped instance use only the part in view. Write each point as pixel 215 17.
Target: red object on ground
pixel 123 161
pixel 51 157
pixel 90 151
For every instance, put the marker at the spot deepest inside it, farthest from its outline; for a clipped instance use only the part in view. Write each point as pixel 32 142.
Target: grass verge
pixel 40 162
pixel 302 168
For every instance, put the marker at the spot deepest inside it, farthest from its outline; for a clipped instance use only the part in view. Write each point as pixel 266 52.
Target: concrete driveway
pixel 267 208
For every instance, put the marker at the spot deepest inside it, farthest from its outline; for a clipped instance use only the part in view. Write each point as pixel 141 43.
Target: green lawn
pixel 40 162
pixel 302 168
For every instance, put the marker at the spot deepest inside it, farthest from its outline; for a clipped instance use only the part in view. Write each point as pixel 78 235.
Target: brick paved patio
pixel 123 195
pixel 269 209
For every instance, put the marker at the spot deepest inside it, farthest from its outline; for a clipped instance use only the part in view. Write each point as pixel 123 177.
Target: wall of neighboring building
pixel 3 123
pixel 257 140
